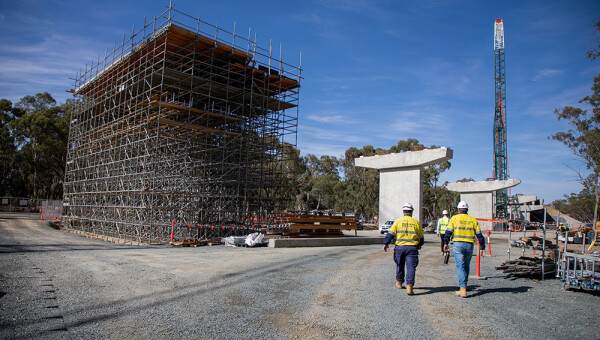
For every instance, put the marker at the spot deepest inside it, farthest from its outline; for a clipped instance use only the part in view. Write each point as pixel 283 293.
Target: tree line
pixel 332 183
pixel 33 149
pixel 34 135
pixel 33 146
pixel 583 138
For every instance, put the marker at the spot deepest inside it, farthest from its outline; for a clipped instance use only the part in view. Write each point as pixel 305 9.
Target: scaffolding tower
pixel 178 129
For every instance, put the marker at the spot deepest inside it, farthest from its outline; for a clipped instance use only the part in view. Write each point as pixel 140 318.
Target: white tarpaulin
pixel 254 239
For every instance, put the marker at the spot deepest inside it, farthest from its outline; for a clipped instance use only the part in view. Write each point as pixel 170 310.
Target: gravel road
pixel 55 284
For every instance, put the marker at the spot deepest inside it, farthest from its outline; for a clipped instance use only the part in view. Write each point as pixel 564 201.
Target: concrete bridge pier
pixel 401 178
pixel 479 195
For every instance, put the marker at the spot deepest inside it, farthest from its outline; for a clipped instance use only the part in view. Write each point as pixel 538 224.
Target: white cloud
pixel 326 134
pixel 324 118
pixel 545 73
pixel 30 67
pixel 414 122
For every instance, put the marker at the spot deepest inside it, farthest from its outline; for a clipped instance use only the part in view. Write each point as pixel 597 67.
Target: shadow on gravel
pixel 513 290
pixel 51 247
pixel 473 290
pixel 433 290
pixel 110 310
pixel 13 217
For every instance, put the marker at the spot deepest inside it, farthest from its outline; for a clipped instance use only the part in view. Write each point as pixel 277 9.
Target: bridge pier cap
pixel 479 195
pixel 401 178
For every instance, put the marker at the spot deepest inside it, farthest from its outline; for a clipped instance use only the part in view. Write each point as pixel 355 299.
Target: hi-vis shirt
pixel 407 231
pixel 442 225
pixel 464 228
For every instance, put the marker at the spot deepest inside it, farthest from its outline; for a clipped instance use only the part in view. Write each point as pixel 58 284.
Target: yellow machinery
pixel 596 239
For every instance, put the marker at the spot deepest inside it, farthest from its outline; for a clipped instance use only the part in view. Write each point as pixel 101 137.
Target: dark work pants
pixel 442 242
pixel 406 256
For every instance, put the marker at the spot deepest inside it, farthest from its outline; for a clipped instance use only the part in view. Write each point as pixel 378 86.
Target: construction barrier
pixel 493 225
pixel 51 210
pixel 478 266
pixel 19 204
pixel 489 243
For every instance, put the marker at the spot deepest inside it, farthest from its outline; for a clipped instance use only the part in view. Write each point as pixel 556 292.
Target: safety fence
pixel 43 208
pixel 504 226
pixel 19 204
pixel 51 209
pixel 493 225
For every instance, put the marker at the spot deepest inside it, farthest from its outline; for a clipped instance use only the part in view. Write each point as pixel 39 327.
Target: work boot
pixel 409 290
pixel 398 284
pixel 462 292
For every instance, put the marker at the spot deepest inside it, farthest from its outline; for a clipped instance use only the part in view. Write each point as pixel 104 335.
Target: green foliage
pixel 34 136
pixel 322 182
pixel 405 145
pixel 579 206
pixel 8 156
pixel 39 102
pixel 436 198
pixel 584 136
pixel 337 184
pixel 361 194
pixel 595 51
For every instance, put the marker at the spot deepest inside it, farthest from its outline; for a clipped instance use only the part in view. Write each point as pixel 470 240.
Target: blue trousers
pixel 406 256
pixel 463 251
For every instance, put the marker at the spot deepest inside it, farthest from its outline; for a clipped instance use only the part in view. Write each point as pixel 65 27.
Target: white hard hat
pixel 445 212
pixel 463 205
pixel 407 207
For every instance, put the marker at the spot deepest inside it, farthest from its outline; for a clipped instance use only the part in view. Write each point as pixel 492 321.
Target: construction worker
pixel 442 224
pixel 562 228
pixel 408 238
pixel 464 230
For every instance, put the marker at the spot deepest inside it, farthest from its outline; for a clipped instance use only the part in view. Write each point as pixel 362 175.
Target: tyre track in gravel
pixel 449 315
pixel 359 300
pixel 37 313
pixel 95 289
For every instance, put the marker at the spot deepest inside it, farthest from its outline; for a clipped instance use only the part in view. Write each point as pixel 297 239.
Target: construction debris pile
pixel 526 266
pixel 195 242
pixel 534 242
pixel 580 235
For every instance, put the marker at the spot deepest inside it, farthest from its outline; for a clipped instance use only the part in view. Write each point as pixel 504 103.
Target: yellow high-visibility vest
pixel 407 230
pixel 443 224
pixel 464 228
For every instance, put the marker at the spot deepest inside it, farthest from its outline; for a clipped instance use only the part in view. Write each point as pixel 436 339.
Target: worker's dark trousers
pixel 442 242
pixel 409 256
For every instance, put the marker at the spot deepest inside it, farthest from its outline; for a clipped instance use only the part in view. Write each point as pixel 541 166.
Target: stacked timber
pixel 527 267
pixel 298 224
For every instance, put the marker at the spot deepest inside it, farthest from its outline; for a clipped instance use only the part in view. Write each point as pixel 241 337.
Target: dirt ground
pixel 55 284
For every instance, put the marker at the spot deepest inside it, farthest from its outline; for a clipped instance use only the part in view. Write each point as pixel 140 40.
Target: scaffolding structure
pixel 179 129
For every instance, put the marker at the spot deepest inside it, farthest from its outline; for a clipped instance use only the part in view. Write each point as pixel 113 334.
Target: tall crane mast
pixel 500 171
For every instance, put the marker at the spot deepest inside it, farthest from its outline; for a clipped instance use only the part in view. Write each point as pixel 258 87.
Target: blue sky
pixel 374 72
